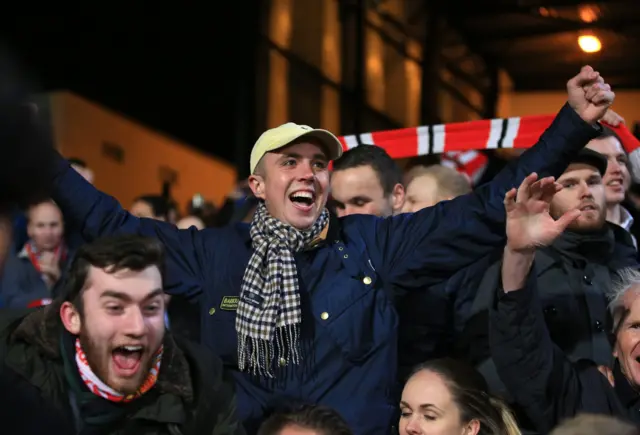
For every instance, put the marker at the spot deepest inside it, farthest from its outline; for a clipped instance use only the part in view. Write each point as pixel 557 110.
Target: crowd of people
pixel 331 293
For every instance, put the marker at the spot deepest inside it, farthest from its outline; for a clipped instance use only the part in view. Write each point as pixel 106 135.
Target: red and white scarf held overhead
pixel 460 142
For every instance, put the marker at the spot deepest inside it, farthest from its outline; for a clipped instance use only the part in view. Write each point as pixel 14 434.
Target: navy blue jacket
pixel 349 333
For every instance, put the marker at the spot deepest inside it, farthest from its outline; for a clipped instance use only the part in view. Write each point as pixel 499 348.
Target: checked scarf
pixel 269 315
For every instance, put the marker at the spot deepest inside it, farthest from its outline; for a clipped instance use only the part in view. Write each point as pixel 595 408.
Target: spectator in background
pixel 18 189
pixel 82 168
pixel 190 221
pixel 305 420
pixel 427 186
pixel 151 206
pixel 366 180
pixel 31 275
pixel 447 397
pixel 591 424
pixel 617 179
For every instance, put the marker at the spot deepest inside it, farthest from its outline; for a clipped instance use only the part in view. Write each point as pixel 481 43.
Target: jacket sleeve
pixel 534 370
pixel 419 249
pixel 96 214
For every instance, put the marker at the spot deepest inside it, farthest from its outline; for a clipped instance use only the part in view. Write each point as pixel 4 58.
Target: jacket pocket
pixel 357 315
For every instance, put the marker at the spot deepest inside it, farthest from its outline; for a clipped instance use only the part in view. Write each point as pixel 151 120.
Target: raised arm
pixel 537 374
pixel 97 214
pixel 420 249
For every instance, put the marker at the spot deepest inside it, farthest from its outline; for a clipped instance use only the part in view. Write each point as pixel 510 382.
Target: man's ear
pixel 397 198
pixel 256 183
pixel 70 318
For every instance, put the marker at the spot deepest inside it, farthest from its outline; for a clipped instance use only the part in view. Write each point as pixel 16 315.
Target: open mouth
pixel 303 199
pixel 588 208
pixel 615 183
pixel 127 359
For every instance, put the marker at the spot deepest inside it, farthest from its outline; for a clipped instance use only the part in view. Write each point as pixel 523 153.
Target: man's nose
pixel 614 166
pixel 135 323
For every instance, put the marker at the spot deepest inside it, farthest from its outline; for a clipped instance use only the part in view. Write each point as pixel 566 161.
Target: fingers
pixel 586 76
pixel 604 98
pixel 510 200
pixel 523 193
pixel 566 219
pixel 613 119
pixel 594 89
pixel 543 187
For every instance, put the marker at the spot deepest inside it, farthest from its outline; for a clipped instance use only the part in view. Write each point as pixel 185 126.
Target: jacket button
pixel 366 280
pixel 598 326
pixel 212 311
pixel 587 280
pixel 282 362
pixel 324 316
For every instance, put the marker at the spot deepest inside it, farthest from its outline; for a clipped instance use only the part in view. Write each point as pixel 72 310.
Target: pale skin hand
pixel 50 267
pixel 589 95
pixel 612 118
pixel 529 226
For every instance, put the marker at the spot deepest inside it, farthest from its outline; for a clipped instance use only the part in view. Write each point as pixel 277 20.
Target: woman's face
pixel 427 408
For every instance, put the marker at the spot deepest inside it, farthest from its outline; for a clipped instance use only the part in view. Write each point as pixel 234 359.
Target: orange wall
pixel 81 127
pixel 538 103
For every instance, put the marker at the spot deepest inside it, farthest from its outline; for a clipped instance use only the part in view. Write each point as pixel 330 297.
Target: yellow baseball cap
pixel 278 137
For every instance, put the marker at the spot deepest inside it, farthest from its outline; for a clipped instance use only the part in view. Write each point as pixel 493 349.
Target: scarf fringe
pixel 259 356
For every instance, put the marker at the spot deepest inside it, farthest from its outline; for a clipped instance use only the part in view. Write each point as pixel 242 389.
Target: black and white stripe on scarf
pixel 269 316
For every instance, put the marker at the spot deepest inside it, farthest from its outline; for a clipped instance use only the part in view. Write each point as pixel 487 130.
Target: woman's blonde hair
pixel 469 391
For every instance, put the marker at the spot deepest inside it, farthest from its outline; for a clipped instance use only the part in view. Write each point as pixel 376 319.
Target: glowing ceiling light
pixel 589 43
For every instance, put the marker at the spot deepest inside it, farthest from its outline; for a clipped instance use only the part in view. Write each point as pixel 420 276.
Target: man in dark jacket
pixel 100 355
pixel 536 371
pixel 573 274
pixel 256 283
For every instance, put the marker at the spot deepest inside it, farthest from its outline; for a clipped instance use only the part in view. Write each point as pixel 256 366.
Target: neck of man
pixel 614 213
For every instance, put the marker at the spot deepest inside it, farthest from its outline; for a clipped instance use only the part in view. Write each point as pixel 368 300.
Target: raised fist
pixel 589 95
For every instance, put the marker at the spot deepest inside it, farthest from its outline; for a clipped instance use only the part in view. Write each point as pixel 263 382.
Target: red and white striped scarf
pixel 99 388
pixel 460 142
pixel 34 254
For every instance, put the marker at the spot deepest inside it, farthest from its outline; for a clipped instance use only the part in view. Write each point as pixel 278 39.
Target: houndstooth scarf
pixel 269 315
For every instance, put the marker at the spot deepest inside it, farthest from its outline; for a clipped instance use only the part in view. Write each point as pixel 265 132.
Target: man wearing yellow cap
pixel 297 303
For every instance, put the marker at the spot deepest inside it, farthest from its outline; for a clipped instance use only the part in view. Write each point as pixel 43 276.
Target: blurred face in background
pixel 422 192
pixel 427 408
pixel 294 183
pixel 617 178
pixel 143 209
pixel 45 227
pixel 582 189
pixel 359 191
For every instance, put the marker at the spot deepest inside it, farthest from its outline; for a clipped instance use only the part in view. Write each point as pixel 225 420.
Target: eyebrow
pixel 126 297
pixel 423 406
pixel 318 156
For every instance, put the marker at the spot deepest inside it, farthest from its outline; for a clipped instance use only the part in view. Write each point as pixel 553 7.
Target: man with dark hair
pixel 617 180
pixel 100 354
pixel 366 180
pixel 305 420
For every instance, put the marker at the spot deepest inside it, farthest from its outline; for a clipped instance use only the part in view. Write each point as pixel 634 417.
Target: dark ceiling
pixel 537 41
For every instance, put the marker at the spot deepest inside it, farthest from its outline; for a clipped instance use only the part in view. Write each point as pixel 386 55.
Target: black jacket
pixel 542 380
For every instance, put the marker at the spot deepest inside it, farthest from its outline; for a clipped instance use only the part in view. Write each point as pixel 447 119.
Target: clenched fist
pixel 589 95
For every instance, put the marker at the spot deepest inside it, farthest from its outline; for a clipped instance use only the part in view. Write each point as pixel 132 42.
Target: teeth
pixel 132 348
pixel 308 195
